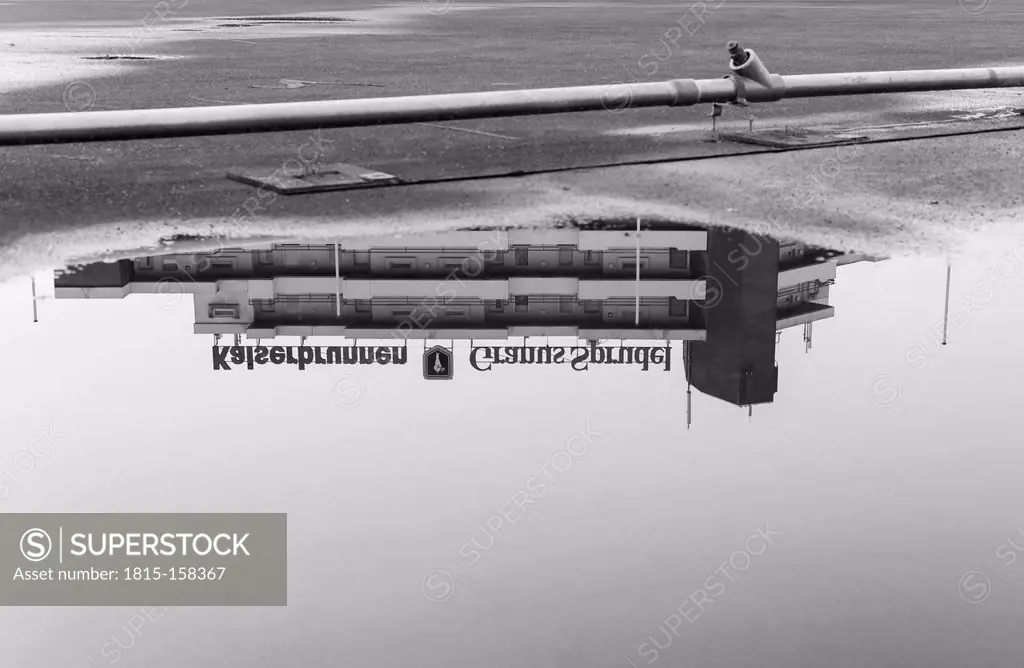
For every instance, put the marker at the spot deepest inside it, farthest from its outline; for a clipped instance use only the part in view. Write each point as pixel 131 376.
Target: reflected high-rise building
pixel 723 293
pixel 759 287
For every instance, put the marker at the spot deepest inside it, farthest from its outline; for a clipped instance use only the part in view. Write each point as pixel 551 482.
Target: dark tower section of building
pixel 96 275
pixel 737 361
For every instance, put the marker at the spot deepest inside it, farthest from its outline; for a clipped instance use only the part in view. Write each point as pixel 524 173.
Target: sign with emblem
pixel 437 363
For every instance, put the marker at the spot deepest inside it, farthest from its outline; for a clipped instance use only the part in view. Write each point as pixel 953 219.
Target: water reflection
pixel 712 301
pixel 472 517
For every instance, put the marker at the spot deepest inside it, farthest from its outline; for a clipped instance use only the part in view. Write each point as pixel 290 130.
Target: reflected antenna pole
pixel 689 368
pixel 945 316
pixel 35 302
pixel 337 280
pixel 637 323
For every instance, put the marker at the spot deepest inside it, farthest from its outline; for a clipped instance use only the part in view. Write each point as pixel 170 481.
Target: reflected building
pixel 758 287
pixel 724 293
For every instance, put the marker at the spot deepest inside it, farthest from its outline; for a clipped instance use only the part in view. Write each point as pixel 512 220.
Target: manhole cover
pixel 339 176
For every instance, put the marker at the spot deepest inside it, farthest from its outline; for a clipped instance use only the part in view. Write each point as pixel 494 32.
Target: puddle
pixel 53 55
pixel 763 378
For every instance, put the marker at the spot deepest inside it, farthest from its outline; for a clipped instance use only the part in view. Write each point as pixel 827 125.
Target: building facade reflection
pixel 722 294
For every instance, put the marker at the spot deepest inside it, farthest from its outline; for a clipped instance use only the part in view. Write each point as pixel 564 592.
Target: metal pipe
pixel 910 81
pixel 93 126
pixel 98 126
pixel 737 54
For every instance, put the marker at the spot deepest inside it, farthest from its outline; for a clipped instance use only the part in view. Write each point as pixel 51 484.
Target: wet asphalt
pixel 422 48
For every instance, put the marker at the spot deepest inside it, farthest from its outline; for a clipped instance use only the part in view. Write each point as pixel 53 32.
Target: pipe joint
pixel 687 92
pixel 754 82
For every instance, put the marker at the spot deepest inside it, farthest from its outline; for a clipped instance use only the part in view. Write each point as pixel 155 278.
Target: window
pixel 362 306
pixel 630 265
pixel 592 257
pixel 497 306
pixel 401 263
pixel 451 263
pixel 591 306
pixel 789 249
pixel 401 312
pixel 677 308
pixel 224 311
pixel 265 258
pixel 223 263
pixel 267 306
pixel 522 256
pixel 566 304
pixel 565 255
pixel 170 265
pixel 494 257
pixel 678 259
pixel 522 304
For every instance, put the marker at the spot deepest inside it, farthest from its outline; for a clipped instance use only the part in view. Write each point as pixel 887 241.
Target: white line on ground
pixel 475 132
pixel 203 99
